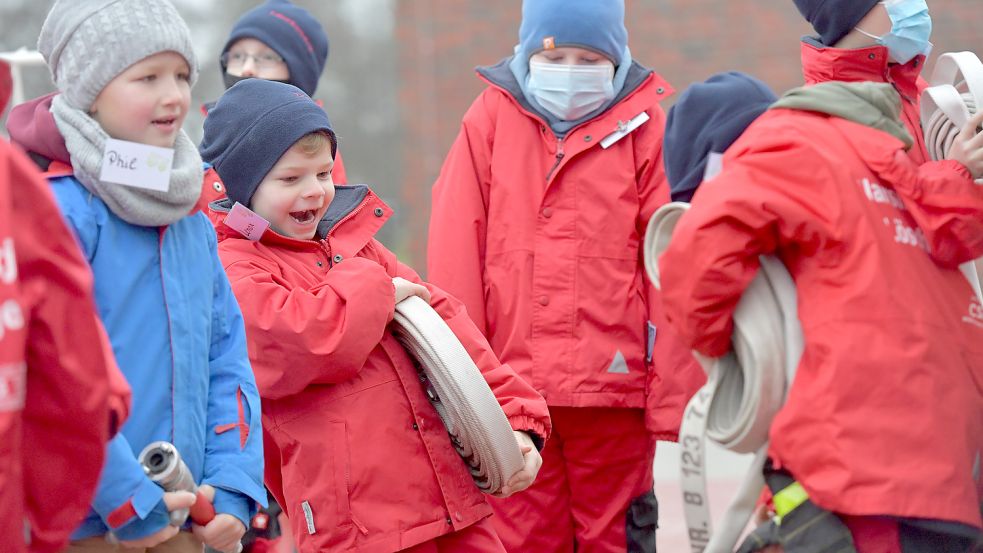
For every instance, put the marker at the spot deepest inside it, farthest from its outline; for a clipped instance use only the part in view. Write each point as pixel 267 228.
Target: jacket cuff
pixel 144 525
pixel 235 504
pixel 231 479
pixel 953 165
pixel 665 436
pixel 663 422
pixel 139 506
pixel 531 426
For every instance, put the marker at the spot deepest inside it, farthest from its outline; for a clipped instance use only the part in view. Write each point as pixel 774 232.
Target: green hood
pixel 876 105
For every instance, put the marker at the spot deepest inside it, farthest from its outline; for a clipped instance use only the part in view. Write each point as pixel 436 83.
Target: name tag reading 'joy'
pixel 246 222
pixel 137 165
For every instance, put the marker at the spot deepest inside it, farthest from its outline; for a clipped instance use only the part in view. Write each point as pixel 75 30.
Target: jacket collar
pixel 821 63
pixel 354 217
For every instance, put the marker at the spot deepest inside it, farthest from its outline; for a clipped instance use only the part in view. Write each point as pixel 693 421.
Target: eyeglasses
pixel 235 60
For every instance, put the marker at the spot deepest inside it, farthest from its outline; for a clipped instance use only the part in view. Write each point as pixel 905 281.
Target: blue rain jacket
pixel 178 336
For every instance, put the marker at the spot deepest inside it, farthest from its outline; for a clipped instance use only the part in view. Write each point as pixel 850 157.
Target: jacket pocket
pixel 244 410
pixel 316 474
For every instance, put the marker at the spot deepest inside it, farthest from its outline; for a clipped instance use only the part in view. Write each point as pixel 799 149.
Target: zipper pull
pixel 559 158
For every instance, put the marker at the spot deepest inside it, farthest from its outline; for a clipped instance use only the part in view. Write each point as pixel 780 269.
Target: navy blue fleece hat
pixel 834 18
pixel 708 117
pixel 597 25
pixel 251 126
pixel 291 32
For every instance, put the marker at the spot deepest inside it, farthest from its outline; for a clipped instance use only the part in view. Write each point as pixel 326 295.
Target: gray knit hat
pixel 88 43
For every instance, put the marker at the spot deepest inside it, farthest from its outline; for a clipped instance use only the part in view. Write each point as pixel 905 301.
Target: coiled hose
pixel 744 389
pixel 954 94
pixel 465 403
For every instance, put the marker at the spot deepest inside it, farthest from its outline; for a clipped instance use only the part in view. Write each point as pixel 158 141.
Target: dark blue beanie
pixel 708 117
pixel 251 126
pixel 834 18
pixel 291 32
pixel 597 25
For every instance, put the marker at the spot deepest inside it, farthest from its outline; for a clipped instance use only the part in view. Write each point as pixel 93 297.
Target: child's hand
pixel 967 148
pixel 173 501
pixel 405 289
pixel 224 532
pixel 530 466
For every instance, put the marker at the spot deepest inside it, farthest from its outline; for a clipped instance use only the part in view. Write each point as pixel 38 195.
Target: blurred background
pixel 400 73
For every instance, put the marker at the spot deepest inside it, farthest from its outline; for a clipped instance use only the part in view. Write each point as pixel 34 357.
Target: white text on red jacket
pixel 975 312
pixel 11 316
pixel 13 376
pixel 903 232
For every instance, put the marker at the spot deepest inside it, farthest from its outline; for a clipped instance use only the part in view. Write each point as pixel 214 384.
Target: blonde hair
pixel 311 144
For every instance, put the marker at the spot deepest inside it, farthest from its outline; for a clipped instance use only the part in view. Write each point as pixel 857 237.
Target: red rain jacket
pixel 55 363
pixel 885 416
pixel 348 428
pixel 541 240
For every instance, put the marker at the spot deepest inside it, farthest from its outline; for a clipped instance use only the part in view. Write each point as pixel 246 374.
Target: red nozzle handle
pixel 202 512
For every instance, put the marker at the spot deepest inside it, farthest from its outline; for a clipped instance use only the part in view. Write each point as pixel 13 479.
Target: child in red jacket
pixel 537 218
pixel 355 454
pixel 882 425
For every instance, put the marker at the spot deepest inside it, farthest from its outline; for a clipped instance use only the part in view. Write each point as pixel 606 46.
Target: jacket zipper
pixel 559 158
pixel 351 214
pixel 167 313
pixel 890 79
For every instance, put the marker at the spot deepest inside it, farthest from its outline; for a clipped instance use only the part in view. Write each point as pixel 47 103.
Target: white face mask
pixel 571 91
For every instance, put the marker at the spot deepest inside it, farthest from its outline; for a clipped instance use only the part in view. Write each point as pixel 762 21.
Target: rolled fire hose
pixel 475 421
pixel 744 389
pixel 954 94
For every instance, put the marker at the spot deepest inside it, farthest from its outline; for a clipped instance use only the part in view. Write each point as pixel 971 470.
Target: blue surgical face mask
pixel 571 91
pixel 911 27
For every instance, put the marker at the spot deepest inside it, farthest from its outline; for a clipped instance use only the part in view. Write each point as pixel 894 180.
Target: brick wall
pixel 439 42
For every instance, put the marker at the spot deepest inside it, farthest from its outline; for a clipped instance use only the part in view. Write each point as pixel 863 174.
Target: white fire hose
pixel 954 94
pixel 475 421
pixel 744 389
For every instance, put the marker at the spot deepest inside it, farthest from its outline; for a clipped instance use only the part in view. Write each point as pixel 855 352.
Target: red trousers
pixel 480 537
pixel 596 462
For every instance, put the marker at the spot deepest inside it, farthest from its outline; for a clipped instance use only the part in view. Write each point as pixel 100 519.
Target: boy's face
pixel 147 102
pixel 248 57
pixel 296 192
pixel 569 55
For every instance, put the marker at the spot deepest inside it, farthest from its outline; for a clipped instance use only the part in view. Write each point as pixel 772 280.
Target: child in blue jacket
pixel 124 69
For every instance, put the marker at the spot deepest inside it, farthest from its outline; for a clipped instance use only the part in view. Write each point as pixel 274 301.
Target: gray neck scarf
pixel 86 140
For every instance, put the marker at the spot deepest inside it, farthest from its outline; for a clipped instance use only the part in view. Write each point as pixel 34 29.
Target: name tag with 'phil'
pixel 137 165
pixel 246 222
